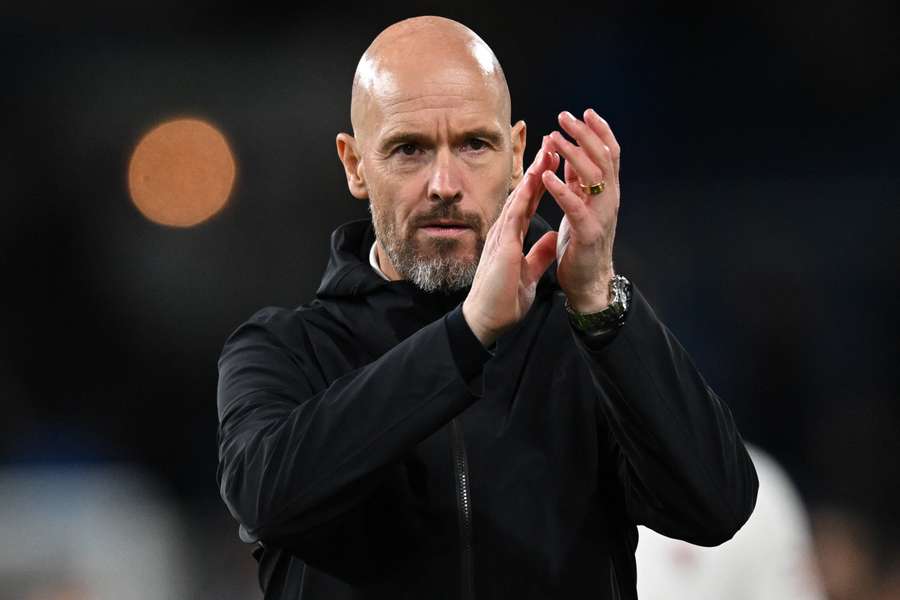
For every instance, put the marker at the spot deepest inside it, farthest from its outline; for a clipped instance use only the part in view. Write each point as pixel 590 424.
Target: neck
pixel 384 263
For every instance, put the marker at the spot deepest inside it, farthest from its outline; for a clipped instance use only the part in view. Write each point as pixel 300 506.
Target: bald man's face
pixel 437 159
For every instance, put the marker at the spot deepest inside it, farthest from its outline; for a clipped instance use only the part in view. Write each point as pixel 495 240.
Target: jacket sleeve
pixel 682 463
pixel 293 455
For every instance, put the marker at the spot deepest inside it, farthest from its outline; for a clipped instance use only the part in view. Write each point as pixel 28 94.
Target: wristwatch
pixel 610 319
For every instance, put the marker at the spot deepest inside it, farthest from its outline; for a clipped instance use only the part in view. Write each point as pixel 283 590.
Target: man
pixel 450 417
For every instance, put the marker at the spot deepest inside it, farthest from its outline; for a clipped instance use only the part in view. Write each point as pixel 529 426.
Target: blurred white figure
pixel 770 558
pixel 87 533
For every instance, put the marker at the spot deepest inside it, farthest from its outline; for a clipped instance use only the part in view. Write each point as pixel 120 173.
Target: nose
pixel 445 182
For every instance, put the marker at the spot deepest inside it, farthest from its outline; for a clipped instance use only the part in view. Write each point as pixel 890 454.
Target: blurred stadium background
pixel 759 215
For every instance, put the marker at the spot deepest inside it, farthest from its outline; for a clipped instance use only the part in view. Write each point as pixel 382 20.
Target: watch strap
pixel 611 318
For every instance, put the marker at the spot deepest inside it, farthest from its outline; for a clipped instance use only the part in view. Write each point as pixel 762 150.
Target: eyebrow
pixel 490 135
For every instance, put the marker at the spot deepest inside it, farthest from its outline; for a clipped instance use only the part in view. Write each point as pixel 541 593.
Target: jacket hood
pixel 349 274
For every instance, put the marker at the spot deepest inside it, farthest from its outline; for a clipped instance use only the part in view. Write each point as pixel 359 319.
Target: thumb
pixel 541 255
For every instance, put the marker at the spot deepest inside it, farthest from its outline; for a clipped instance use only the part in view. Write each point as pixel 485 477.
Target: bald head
pixel 418 51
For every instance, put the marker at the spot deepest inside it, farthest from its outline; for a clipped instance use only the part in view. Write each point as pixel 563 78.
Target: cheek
pixel 397 198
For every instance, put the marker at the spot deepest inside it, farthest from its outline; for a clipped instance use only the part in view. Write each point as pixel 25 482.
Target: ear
pixel 348 152
pixel 518 138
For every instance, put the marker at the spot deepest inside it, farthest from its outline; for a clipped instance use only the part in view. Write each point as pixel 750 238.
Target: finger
pixel 538 192
pixel 571 204
pixel 494 231
pixel 541 256
pixel 599 125
pixel 528 192
pixel 490 240
pixel 571 178
pixel 587 170
pixel 511 201
pixel 588 139
pixel 536 187
pixel 569 172
pixel 531 188
pixel 515 205
pixel 538 165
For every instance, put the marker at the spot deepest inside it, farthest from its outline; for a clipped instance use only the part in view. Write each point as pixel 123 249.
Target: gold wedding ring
pixel 594 188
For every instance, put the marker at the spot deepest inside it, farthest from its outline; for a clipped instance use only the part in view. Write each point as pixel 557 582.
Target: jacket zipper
pixel 464 506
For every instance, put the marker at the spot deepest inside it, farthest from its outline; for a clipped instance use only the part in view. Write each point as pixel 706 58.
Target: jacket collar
pixel 349 273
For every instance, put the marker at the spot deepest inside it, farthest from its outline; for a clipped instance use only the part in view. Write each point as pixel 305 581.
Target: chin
pixel 450 248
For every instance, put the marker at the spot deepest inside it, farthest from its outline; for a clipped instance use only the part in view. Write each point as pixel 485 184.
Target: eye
pixel 407 149
pixel 476 144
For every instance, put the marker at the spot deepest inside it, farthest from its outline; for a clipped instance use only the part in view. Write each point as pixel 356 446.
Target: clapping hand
pixel 588 229
pixel 506 280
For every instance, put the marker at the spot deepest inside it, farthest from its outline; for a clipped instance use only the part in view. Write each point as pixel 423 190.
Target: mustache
pixel 448 212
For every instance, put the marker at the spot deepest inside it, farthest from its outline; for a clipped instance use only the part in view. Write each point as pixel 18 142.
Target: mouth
pixel 445 228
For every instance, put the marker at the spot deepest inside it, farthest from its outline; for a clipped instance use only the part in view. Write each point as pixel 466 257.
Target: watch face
pixel 620 291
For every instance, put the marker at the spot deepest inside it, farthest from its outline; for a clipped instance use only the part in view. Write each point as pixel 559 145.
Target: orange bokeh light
pixel 181 173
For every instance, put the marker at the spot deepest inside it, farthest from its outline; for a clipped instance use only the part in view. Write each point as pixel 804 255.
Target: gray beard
pixel 428 272
pixel 439 274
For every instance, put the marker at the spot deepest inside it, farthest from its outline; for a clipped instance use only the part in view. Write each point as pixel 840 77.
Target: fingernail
pixel 566 115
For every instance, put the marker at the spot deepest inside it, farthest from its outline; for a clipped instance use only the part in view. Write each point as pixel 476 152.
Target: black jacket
pixel 373 449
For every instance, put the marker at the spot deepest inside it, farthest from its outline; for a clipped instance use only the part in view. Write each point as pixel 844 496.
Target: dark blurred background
pixel 759 215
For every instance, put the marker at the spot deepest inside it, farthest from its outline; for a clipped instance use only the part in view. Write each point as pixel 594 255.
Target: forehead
pixel 423 96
